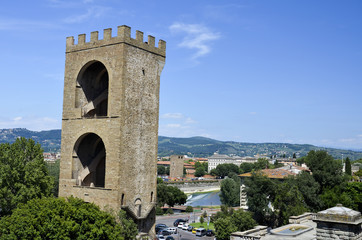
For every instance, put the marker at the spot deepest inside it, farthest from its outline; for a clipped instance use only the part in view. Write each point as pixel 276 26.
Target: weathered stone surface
pixel 126 73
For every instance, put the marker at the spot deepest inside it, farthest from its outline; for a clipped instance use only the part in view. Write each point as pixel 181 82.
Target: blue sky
pixel 250 71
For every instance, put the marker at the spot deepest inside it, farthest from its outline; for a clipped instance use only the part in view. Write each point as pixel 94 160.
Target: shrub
pixel 169 211
pixel 189 209
pixel 159 211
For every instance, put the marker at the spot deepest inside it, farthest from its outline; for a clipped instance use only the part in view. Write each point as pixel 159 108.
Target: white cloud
pixel 91 12
pixel 197 37
pixel 17 119
pixel 173 125
pixel 172 115
pixel 189 120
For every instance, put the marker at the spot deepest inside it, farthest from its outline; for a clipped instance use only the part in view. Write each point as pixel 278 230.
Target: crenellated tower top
pixel 123 36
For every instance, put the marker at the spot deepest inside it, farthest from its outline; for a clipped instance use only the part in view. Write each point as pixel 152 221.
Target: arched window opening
pixel 122 199
pixel 151 196
pixel 138 204
pixel 92 90
pixel 89 161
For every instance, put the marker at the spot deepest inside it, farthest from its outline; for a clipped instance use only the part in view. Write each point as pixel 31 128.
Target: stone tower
pixel 176 166
pixel 110 122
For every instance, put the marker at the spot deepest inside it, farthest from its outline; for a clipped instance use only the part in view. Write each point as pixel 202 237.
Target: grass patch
pixel 204 225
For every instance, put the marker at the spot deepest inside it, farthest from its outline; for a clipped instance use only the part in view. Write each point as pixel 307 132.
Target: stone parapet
pixel 123 36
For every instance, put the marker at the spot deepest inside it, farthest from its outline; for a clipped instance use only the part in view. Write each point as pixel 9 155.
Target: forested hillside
pixel 193 146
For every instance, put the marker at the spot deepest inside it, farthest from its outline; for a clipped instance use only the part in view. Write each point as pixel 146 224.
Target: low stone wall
pixel 196 186
pixel 301 218
pixel 252 234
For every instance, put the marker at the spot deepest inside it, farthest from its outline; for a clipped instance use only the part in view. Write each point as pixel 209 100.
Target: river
pixel 204 199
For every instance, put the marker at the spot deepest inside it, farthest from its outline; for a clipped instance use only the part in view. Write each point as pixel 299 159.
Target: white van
pixel 200 232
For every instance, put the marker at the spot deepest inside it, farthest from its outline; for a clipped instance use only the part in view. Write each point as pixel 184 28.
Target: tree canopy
pixel 23 174
pixel 57 218
pixel 224 169
pixel 326 171
pixel 230 221
pixel 230 192
pixel 169 195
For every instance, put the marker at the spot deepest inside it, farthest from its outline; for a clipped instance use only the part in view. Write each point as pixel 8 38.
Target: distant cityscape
pixel 194 146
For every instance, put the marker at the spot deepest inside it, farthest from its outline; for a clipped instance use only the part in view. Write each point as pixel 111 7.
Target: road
pixel 183 234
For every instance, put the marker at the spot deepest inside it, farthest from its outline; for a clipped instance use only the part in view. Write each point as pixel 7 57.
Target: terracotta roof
pixel 163 163
pixel 272 173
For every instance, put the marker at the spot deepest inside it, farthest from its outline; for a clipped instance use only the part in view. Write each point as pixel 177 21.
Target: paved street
pixel 182 234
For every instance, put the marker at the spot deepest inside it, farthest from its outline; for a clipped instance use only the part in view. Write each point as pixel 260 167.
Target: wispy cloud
pixel 91 12
pixel 197 37
pixel 172 115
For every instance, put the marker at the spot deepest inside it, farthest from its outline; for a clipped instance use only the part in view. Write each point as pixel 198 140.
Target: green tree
pixel 310 190
pixel 189 209
pixel 201 219
pixel 169 195
pixel 243 220
pixel 159 211
pixel 246 167
pixel 223 170
pixel 232 221
pixel 199 172
pixel 23 174
pixel 161 170
pixel 326 171
pixel 260 192
pixel 230 192
pixel 288 202
pixel 223 228
pixel 56 218
pixel 262 163
pixel 337 194
pixel 53 169
pixel 354 191
pixel 348 167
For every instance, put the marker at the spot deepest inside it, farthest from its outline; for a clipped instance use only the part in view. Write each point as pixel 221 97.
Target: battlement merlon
pixel 123 36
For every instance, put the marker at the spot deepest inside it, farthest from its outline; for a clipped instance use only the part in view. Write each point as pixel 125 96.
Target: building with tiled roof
pixel 277 173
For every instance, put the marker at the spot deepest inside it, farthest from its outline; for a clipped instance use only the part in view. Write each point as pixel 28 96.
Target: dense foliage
pixel 169 195
pixel 273 201
pixel 227 221
pixel 201 169
pixel 23 174
pixel 56 218
pixel 225 169
pixel 53 169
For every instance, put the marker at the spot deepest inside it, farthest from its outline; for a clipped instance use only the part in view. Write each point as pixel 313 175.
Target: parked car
pixel 210 233
pixel 160 237
pixel 160 226
pixel 180 225
pixel 185 226
pixel 170 238
pixel 194 230
pixel 200 232
pixel 164 232
pixel 172 230
pixel 190 228
pixel 177 221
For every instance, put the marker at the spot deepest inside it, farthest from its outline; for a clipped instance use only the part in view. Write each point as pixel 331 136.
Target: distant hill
pixel 193 146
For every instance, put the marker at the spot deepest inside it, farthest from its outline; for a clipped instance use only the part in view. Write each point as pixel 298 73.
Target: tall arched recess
pixel 92 90
pixel 89 161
